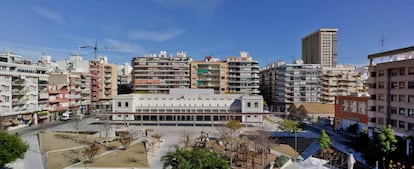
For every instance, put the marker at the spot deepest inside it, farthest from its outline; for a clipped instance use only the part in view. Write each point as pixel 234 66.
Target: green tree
pixel 183 158
pixel 11 148
pixel 387 141
pixel 324 141
pixel 234 125
pixel 291 126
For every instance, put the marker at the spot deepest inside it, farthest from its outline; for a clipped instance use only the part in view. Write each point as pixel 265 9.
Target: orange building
pixel 350 110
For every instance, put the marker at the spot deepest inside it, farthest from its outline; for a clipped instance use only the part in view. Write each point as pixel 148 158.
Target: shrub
pixel 280 161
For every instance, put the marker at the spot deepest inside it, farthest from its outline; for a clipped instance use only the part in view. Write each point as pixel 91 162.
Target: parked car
pixel 66 116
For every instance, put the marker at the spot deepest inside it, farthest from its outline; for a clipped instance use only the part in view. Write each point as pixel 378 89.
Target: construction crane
pixel 94 47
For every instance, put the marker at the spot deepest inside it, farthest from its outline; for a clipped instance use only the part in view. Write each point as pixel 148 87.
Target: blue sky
pixel 268 29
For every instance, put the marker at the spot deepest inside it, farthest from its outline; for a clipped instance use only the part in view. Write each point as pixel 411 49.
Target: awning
pixel 43 113
pixel 42 117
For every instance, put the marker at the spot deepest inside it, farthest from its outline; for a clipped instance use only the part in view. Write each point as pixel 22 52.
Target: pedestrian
pixel 146 133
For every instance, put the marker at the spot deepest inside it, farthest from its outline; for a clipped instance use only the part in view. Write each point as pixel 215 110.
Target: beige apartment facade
pixel 210 74
pixel 159 73
pixel 338 81
pixel 391 86
pixel 108 86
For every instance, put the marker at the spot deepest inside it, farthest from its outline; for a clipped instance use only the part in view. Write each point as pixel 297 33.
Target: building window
pixel 126 104
pixel 394 85
pixel 411 84
pixel 381 97
pixel 393 123
pixel 256 105
pixel 401 111
pixel 393 110
pixel 249 104
pixel 410 112
pixel 394 72
pixel 410 98
pixel 393 97
pixel 380 85
pixel 402 85
pixel 401 98
pixel 381 73
pixel 411 70
pixel 380 121
pixel 381 109
pixel 411 126
pixel 119 104
pixel 402 71
pixel 401 124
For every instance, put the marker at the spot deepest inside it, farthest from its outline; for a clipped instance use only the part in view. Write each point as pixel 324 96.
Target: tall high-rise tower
pixel 321 47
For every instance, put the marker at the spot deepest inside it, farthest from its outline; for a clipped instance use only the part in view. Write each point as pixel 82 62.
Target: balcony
pixel 42 83
pixel 43 96
pixel 18 92
pixel 108 70
pixel 86 91
pixel 18 82
pixel 18 102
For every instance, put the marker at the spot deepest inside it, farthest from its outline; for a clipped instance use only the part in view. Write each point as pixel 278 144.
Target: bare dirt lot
pixel 62 150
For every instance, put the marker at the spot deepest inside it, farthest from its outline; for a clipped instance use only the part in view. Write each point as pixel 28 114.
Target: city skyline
pixel 268 31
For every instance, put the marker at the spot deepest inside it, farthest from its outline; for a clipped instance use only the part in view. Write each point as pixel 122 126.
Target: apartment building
pixel 321 47
pixel 19 89
pixel 62 92
pixel 43 114
pixel 243 74
pixel 351 110
pixel 95 84
pixel 285 84
pixel 159 73
pixel 391 86
pixel 85 88
pixel 81 75
pixel 338 81
pixel 362 84
pixel 210 74
pixel 74 92
pixel 108 86
pixel 187 107
pixel 124 78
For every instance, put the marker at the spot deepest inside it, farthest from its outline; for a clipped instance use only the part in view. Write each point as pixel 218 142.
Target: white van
pixel 66 116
